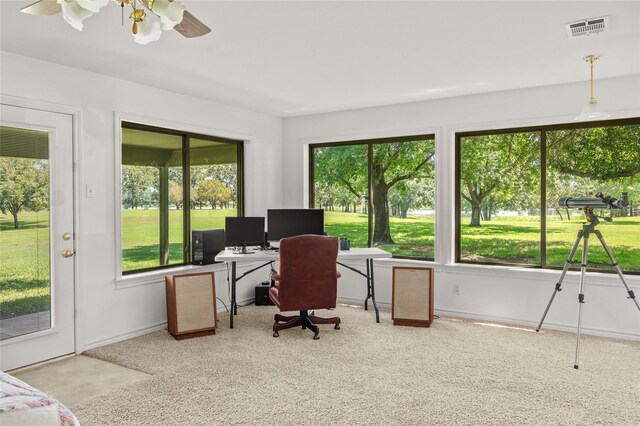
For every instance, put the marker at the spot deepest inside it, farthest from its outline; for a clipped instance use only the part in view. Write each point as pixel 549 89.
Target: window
pixel 509 182
pixel 173 182
pixel 378 193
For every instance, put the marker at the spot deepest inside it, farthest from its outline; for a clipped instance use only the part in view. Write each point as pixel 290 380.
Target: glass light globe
pixel 92 5
pixel 169 12
pixel 74 13
pixel 148 30
pixel 592 111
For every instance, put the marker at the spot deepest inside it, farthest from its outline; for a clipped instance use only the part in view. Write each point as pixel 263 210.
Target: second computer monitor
pixel 283 223
pixel 243 232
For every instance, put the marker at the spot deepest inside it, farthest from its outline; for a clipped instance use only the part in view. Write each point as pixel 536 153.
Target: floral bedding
pixel 21 404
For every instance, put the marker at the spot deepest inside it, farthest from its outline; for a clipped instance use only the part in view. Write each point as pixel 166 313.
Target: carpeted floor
pixel 366 373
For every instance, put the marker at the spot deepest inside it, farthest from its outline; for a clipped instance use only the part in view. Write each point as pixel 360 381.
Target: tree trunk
pixel 381 229
pixel 559 212
pixel 403 213
pixel 568 215
pixel 15 219
pixel 475 214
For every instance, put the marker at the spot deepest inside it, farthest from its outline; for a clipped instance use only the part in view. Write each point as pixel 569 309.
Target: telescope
pixel 600 202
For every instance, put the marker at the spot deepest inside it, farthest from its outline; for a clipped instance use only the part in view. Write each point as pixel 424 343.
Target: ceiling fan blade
pixel 43 8
pixel 191 26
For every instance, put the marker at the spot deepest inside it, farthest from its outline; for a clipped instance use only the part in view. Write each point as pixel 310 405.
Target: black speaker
pixel 262 294
pixel 205 245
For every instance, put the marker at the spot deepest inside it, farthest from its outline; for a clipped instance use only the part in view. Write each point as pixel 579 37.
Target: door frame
pixel 75 114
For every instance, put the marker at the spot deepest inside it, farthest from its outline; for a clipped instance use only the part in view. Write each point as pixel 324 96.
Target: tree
pixel 228 175
pixel 323 194
pixel 392 163
pixel 212 191
pixel 412 194
pixel 601 153
pixel 503 165
pixel 341 166
pixel 175 194
pixel 24 185
pixel 601 159
pixel 343 197
pixel 139 183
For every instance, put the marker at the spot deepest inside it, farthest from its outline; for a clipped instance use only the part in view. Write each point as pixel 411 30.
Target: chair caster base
pixel 276 334
pixel 337 327
pixel 316 337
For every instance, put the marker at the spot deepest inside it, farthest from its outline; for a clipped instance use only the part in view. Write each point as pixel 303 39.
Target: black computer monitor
pixel 243 232
pixel 283 223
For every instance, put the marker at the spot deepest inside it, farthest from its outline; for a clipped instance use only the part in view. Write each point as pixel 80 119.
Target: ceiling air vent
pixel 587 27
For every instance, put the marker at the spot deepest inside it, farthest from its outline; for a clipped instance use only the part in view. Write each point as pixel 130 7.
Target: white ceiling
pixel 300 57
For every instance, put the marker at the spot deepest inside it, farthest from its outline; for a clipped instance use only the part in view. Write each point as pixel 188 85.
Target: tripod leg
pixel 583 271
pixel 617 267
pixel 567 265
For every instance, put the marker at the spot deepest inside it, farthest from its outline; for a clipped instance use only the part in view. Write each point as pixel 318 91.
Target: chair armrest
pixel 275 277
pixel 338 274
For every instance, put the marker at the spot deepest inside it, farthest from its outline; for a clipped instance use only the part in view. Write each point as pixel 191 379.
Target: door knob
pixel 68 253
pixel 66 236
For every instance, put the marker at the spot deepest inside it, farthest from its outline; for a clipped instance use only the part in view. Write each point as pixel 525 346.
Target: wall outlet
pixel 456 289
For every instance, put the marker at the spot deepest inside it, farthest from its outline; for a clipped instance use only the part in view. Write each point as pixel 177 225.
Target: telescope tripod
pixel 584 234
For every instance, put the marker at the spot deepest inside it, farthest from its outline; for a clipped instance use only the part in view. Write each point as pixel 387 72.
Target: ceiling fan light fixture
pixel 167 14
pixel 148 29
pixel 170 12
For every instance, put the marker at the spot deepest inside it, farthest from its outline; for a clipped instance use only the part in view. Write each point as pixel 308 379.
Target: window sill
pixel 544 276
pixel 155 277
pixel 389 263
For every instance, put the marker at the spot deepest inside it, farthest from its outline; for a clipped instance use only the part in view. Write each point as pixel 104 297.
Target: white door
pixel 36 236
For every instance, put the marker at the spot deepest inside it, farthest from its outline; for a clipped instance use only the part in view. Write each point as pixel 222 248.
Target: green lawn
pixel 24 253
pixel 517 240
pixel 24 264
pixel 141 235
pixel 413 236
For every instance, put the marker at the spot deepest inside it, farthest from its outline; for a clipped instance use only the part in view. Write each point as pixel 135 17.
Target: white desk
pixel 270 256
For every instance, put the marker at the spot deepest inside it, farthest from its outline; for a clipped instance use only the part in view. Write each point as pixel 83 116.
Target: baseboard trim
pixel 142 331
pixel 547 325
pixel 125 336
pixel 360 303
pixel 571 328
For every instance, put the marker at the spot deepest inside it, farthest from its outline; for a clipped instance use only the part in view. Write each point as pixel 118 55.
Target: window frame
pixel 542 129
pixel 370 142
pixel 186 187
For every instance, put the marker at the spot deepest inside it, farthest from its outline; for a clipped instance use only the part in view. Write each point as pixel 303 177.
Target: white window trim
pixel 150 277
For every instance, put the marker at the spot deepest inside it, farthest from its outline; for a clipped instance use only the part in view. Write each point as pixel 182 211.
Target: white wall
pixel 498 293
pixel 110 311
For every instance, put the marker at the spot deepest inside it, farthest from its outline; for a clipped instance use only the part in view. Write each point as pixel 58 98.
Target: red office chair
pixel 308 280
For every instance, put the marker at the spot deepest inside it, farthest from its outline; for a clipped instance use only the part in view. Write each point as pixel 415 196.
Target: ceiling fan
pixel 147 27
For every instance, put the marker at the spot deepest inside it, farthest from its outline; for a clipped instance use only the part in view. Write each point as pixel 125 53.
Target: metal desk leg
pixel 373 291
pixel 234 306
pixel 366 301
